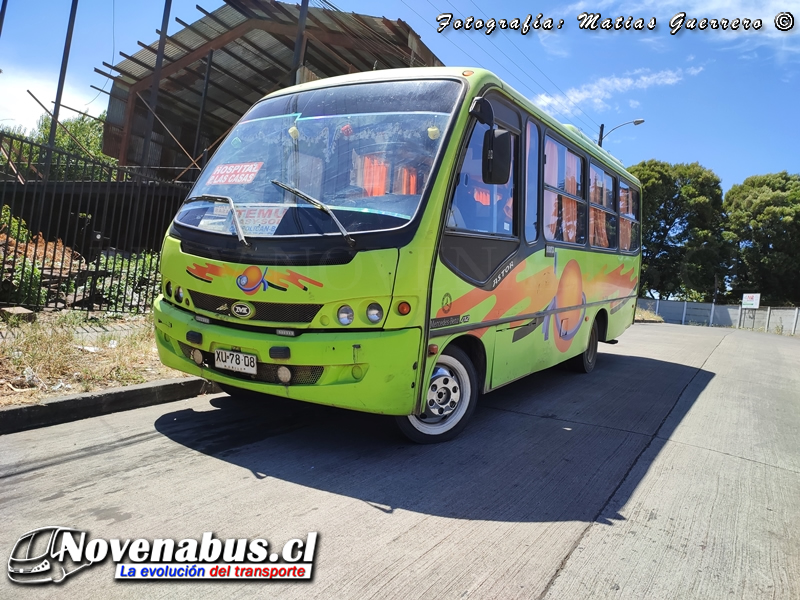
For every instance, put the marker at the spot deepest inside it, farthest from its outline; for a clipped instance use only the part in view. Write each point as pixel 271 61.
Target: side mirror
pixel 496 156
pixel 482 110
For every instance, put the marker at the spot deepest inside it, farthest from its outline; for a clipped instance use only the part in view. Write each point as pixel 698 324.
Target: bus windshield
pixel 364 151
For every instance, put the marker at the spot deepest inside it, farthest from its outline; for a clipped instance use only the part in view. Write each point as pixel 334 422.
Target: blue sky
pixel 727 99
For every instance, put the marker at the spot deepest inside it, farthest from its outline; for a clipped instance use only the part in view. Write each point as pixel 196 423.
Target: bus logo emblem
pixel 243 310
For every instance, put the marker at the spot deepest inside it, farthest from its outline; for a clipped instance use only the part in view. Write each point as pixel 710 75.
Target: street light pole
pixel 602 127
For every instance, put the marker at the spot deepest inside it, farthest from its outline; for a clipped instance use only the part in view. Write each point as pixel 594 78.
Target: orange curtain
pixel 624 234
pixel 482 196
pixel 550 214
pixel 374 176
pixel 624 200
pixel 597 228
pixel 551 163
pixel 405 181
pixel 595 186
pixel 569 219
pixel 571 175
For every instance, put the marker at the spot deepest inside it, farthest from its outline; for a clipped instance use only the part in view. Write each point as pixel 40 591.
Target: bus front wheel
pixel 585 362
pixel 450 400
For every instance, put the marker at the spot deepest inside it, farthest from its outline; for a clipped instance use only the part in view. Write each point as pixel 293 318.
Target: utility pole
pixel 61 77
pixel 162 40
pixel 3 15
pixel 300 41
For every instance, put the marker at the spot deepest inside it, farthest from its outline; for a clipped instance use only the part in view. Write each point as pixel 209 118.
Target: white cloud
pixel 634 103
pixel 554 44
pixel 690 58
pixel 596 93
pixel 18 108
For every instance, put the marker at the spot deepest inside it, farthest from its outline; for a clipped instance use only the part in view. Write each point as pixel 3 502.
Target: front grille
pixel 275 312
pixel 266 372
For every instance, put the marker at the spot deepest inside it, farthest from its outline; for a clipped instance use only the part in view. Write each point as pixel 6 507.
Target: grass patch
pixel 64 354
pixel 647 316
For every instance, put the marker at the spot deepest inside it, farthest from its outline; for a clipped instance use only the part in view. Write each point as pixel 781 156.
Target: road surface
pixel 672 471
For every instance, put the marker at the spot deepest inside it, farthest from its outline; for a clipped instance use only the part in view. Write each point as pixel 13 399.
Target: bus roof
pixel 477 79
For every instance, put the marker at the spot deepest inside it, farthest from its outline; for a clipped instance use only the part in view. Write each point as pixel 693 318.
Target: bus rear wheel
pixel 585 362
pixel 450 400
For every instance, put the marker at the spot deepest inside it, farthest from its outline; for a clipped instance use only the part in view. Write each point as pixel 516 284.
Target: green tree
pixel 87 131
pixel 764 222
pixel 684 249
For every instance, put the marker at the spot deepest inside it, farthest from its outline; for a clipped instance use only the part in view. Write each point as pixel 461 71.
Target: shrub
pixel 27 280
pixel 14 227
pixel 132 281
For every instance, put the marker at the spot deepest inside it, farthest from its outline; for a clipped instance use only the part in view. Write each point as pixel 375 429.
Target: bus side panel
pixel 616 284
pixel 557 299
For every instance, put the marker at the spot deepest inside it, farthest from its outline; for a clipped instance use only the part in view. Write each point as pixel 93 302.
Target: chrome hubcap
pixel 444 394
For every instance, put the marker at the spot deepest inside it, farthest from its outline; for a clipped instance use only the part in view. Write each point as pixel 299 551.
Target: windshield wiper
pixel 317 204
pixel 229 201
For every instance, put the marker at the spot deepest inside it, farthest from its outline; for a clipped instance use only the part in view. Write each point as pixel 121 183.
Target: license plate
pixel 235 361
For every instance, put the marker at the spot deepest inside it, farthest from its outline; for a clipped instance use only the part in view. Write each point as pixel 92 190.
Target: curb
pixel 93 404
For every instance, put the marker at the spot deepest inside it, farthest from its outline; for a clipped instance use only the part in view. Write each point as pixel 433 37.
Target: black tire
pixel 451 397
pixel 586 361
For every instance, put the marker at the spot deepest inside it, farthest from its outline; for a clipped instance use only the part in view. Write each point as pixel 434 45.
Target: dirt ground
pixel 63 353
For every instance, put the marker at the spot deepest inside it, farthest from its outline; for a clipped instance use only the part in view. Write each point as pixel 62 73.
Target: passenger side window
pixel 477 206
pixel 602 212
pixel 629 227
pixel 564 206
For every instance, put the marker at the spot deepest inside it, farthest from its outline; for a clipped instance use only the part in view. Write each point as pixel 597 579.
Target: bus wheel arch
pixel 450 397
pixel 474 349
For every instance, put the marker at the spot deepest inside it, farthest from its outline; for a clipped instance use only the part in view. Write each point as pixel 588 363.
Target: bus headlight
pixel 179 294
pixel 374 313
pixel 168 289
pixel 346 315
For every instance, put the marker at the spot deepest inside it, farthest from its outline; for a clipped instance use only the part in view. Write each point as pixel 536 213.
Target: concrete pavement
pixel 672 471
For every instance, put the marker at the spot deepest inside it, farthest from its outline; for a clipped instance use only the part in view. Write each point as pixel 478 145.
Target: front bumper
pixel 373 371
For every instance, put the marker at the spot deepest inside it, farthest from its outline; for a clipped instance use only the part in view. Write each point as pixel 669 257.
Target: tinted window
pixel 564 210
pixel 477 206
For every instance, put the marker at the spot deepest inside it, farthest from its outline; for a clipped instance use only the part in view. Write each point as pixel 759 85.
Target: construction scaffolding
pixel 214 69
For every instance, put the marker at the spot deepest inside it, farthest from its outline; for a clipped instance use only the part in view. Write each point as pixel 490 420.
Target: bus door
pixel 479 252
pixel 529 287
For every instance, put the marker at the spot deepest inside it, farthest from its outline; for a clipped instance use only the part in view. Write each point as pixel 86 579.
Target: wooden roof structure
pixel 214 69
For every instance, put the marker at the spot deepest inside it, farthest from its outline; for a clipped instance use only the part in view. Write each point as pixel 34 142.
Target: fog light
pixel 179 294
pixel 375 313
pixel 345 315
pixel 284 374
pixel 404 308
pixel 197 357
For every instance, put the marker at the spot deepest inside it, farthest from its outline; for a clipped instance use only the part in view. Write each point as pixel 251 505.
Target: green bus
pixel 398 242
